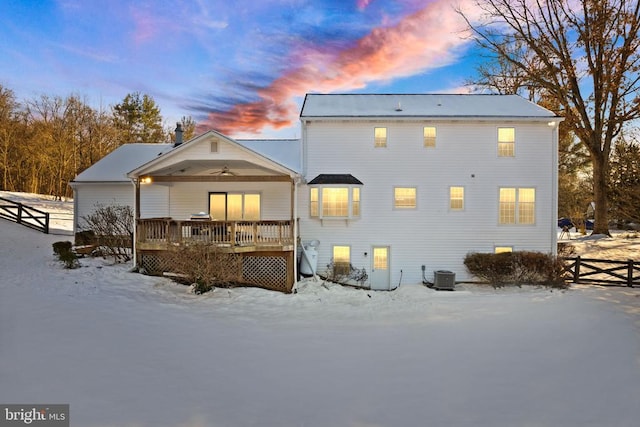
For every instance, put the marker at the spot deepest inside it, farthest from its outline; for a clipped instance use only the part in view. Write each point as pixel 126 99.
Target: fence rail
pixel 604 271
pixel 25 215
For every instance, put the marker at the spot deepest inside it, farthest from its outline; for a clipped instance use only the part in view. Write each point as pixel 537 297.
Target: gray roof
pixel 420 105
pixel 283 151
pixel 114 166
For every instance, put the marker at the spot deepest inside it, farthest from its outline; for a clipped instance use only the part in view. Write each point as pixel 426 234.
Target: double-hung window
pixel 517 206
pixel 405 198
pixel 341 260
pixel 380 137
pixel 429 136
pixel 456 198
pixel 506 142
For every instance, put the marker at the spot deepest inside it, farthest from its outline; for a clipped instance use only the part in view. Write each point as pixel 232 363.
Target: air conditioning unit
pixel 444 280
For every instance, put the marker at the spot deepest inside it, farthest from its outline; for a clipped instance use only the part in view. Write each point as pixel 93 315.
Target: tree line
pixel 46 141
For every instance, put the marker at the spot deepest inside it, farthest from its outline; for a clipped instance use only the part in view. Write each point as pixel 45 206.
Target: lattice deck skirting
pixel 269 270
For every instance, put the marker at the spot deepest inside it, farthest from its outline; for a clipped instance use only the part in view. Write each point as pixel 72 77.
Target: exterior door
pixel 218 206
pixel 380 277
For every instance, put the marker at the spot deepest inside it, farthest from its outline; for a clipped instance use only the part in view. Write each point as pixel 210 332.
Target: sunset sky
pixel 241 67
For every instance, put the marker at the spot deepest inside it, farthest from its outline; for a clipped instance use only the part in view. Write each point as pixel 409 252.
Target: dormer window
pixel 334 196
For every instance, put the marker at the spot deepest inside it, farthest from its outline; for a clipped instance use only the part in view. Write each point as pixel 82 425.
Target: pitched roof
pixel 114 166
pixel 420 105
pixel 333 178
pixel 283 151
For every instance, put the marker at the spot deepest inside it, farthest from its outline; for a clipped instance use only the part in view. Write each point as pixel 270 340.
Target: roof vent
pixel 399 107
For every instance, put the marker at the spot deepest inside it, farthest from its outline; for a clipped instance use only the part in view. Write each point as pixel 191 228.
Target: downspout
pixel 294 224
pixel 554 185
pixel 75 212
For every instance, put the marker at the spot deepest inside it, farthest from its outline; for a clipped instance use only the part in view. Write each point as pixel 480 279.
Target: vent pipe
pixel 178 132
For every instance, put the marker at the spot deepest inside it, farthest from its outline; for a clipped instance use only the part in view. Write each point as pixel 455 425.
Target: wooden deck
pixel 233 236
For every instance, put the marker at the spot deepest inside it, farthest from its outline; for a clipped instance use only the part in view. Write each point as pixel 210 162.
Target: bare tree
pixel 8 132
pixel 585 54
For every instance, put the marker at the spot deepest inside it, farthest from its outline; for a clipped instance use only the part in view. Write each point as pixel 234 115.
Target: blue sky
pixel 242 66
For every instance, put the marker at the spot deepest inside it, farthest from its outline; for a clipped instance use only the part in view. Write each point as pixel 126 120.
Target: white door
pixel 380 279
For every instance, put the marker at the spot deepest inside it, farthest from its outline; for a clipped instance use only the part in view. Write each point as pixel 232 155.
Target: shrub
pixel 65 254
pixel 85 237
pixel 344 272
pixel 566 250
pixel 205 266
pixel 61 247
pixel 112 227
pixel 517 268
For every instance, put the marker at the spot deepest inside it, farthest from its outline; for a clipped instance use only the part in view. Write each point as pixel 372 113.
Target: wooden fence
pixel 25 215
pixel 604 271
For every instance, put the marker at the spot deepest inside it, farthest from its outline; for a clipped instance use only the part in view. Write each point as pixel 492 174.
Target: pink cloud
pixel 362 4
pixel 146 27
pixel 423 40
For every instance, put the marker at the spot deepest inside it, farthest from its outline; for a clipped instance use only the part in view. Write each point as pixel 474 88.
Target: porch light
pixel 146 180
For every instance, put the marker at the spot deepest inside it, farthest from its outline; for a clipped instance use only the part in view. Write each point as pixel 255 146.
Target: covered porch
pixel 214 192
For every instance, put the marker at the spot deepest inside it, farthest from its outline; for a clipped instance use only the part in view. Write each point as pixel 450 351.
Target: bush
pixel 65 254
pixel 61 247
pixel 205 266
pixel 517 268
pixel 344 273
pixel 112 227
pixel 86 237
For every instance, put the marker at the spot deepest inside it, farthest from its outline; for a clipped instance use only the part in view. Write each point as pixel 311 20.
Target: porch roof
pixel 258 157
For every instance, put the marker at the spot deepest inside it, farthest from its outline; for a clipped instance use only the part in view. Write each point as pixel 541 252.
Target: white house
pixel 405 184
pixel 396 186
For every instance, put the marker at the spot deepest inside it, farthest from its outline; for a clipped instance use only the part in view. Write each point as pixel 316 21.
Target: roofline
pixel 440 117
pixel 74 183
pixel 412 94
pixel 133 173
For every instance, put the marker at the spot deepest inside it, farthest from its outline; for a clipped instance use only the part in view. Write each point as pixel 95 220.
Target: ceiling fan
pixel 224 172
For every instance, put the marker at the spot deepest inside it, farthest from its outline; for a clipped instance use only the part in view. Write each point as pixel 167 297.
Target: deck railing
pixel 166 231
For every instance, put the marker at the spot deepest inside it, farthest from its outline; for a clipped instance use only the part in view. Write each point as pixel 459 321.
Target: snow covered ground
pixel 129 350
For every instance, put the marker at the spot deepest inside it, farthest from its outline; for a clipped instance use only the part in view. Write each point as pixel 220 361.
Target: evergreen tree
pixel 137 119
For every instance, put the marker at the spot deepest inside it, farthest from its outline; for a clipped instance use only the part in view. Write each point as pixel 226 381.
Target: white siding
pixel 89 195
pixel 180 200
pixel 431 235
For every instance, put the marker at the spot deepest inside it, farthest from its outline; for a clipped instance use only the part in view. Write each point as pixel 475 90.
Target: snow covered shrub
pixel 64 252
pixel 205 266
pixel 344 273
pixel 517 268
pixel 112 225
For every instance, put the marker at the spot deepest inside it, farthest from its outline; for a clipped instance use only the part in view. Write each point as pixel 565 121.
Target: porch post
pixel 137 198
pixel 136 217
